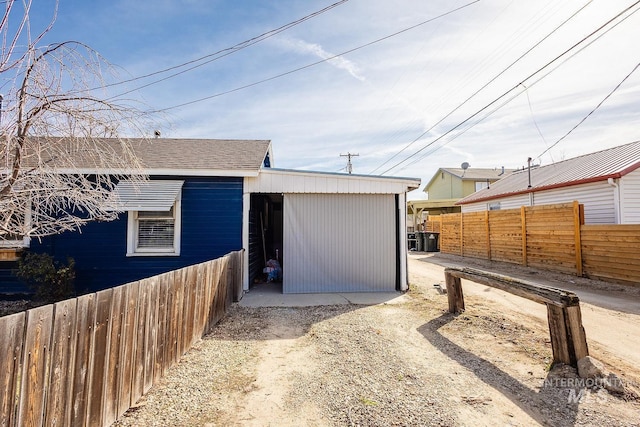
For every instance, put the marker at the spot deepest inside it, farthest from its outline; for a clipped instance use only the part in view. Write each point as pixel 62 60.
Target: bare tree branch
pixel 62 142
pixel 12 38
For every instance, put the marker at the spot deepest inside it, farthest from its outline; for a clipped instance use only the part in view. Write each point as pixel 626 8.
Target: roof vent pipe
pixel 529 162
pixel 501 173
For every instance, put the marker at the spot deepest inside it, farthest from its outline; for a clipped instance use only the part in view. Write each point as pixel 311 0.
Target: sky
pixel 411 86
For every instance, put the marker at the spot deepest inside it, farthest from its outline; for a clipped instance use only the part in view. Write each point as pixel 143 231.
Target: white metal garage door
pixel 339 243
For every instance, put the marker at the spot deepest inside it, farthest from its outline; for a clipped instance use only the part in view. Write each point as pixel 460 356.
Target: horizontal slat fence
pixel 505 236
pixel 433 223
pixel 450 234
pixel 611 252
pixel 538 236
pixel 86 360
pixel 551 237
pixel 474 235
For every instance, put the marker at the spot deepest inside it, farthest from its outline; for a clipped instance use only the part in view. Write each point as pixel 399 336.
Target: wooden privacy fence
pixel 86 360
pixel 552 237
pixel 611 252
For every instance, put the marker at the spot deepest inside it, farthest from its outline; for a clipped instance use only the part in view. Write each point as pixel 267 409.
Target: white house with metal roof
pixel 606 182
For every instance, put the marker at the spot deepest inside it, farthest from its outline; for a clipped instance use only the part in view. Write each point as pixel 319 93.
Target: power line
pixel 522 83
pixel 286 73
pixel 592 111
pixel 219 54
pixel 494 78
pixel 533 118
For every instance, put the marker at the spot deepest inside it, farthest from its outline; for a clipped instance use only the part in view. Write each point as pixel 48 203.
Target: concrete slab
pixel 270 295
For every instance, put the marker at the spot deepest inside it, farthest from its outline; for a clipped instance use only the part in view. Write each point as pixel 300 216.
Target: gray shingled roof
pixel 217 154
pixel 165 155
pixel 599 166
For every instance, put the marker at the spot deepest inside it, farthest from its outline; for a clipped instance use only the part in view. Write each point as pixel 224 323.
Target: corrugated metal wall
pixel 597 198
pixel 630 196
pixel 512 202
pixel 339 243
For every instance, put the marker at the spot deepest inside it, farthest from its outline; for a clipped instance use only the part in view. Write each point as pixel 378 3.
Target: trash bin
pixel 411 241
pixel 420 241
pixel 432 242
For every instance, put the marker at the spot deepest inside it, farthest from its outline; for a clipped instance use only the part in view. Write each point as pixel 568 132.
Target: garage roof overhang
pixel 296 181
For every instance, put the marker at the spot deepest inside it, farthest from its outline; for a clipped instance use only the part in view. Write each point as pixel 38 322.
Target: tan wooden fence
pixel 86 360
pixel 612 252
pixel 552 237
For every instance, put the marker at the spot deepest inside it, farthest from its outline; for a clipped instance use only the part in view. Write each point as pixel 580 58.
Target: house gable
pixel 456 183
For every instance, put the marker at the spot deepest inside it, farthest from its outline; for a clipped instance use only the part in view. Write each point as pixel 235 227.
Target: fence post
pixel 488 228
pixel 461 234
pixel 568 339
pixel 523 218
pixel 578 240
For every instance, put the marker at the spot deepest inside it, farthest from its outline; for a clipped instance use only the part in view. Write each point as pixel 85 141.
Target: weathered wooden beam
pixel 533 291
pixel 454 293
pixel 558 333
pixel 568 339
pixel 575 333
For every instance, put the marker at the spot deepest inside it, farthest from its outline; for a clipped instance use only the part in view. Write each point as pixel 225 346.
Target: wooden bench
pixel 568 340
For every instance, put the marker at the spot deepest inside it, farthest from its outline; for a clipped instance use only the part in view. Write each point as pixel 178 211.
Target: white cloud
pixel 340 62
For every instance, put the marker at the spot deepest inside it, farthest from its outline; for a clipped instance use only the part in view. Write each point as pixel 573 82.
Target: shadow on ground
pixel 549 406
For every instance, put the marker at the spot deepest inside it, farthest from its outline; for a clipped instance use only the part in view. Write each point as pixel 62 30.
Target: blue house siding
pixel 211 227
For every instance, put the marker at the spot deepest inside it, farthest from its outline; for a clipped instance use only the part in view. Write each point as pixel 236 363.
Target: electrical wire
pixel 313 64
pixel 592 111
pixel 494 78
pixel 533 118
pixel 522 83
pixel 219 54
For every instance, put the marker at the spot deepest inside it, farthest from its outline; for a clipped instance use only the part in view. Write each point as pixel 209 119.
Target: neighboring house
pixel 205 198
pixel 606 182
pixel 449 185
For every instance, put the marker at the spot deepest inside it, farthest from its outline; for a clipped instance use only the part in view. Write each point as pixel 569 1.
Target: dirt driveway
pixel 406 363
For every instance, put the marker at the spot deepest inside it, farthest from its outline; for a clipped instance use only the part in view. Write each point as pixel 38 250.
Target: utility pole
pixel 349 156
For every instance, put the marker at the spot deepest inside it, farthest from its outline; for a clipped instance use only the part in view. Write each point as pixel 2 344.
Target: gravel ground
pixel 405 364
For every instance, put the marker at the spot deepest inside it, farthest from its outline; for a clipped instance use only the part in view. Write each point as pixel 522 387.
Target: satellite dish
pixel 465 165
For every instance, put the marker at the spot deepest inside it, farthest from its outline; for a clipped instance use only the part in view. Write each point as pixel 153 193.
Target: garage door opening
pixel 265 236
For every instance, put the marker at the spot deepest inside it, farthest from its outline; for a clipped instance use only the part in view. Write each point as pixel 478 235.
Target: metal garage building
pixel 332 232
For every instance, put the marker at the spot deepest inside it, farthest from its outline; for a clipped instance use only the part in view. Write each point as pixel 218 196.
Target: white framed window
pixel 153 233
pixel 17 240
pixel 494 206
pixel 154 216
pixel 481 185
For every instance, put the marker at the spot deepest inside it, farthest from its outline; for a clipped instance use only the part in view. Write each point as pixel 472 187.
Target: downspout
pixel 531 200
pixel 616 199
